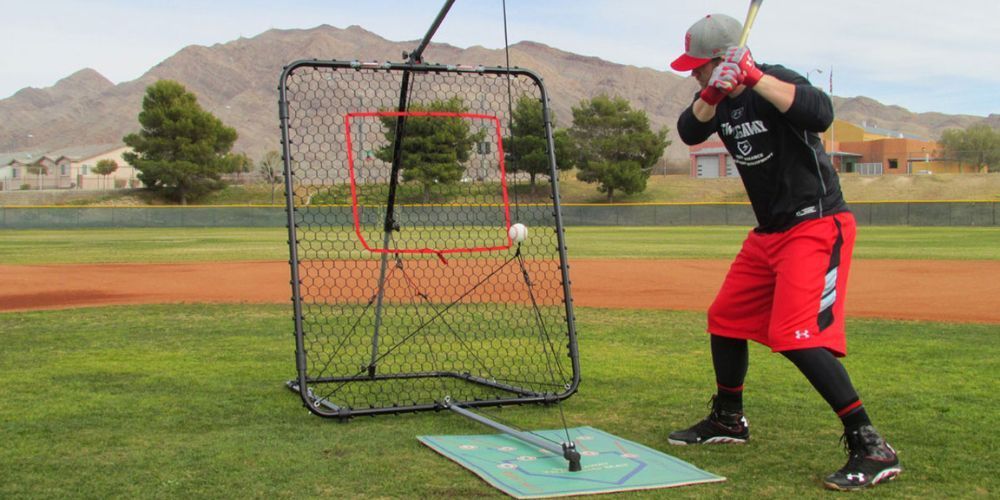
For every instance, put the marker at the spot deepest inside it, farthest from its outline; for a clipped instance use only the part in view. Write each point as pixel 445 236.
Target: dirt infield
pixel 953 291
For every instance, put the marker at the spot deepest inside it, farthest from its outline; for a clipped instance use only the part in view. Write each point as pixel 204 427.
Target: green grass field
pixel 188 400
pixel 248 244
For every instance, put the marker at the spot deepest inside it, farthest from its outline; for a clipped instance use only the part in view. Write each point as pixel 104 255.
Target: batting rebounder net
pixel 408 290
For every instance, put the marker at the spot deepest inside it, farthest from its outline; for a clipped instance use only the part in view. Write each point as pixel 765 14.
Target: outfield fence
pixel 904 213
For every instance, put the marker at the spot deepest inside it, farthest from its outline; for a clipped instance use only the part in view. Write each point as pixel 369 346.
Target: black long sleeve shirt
pixel 786 172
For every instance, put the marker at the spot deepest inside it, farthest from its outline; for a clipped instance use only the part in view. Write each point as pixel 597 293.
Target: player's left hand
pixel 741 57
pixel 726 77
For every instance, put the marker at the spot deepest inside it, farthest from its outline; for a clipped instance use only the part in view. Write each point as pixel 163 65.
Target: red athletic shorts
pixel 787 290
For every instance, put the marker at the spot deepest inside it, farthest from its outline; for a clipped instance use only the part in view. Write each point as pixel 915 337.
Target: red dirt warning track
pixel 952 291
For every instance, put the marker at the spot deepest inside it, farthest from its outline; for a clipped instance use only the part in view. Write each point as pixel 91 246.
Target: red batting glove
pixel 741 57
pixel 712 95
pixel 725 78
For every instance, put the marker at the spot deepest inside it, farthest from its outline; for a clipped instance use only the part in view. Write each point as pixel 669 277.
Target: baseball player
pixel 787 285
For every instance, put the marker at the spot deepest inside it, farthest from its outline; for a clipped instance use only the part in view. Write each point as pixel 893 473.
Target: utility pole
pixel 833 127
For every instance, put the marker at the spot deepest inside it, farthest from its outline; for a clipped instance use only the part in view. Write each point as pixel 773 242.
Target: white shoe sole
pixel 885 475
pixel 715 440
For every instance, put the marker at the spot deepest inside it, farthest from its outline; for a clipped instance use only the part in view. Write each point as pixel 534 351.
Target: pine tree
pixel 614 146
pixel 434 148
pixel 181 150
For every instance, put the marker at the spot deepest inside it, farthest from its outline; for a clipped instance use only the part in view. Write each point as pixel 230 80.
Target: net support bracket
pixel 567 450
pixel 343 413
pixel 417 56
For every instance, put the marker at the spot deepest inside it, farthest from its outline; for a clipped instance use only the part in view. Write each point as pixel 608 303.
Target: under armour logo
pixel 859 477
pixel 806 211
pixel 801 334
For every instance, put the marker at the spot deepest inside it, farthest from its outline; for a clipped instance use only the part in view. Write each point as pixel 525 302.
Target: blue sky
pixel 923 56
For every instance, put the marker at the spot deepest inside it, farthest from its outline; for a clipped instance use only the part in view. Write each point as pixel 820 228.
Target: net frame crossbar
pixel 305 383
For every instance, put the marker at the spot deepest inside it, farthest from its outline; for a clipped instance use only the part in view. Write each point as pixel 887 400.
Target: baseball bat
pixel 751 15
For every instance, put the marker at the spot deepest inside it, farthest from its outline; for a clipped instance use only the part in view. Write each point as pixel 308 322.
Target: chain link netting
pixel 411 291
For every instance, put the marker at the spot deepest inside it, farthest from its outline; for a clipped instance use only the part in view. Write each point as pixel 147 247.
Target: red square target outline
pixel 436 114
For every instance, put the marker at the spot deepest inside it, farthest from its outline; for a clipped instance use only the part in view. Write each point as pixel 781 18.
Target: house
pixel 31 171
pixel 69 168
pixel 84 159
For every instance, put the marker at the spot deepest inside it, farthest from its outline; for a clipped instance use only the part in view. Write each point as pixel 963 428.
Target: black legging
pixel 823 370
pixel 827 374
pixel 730 359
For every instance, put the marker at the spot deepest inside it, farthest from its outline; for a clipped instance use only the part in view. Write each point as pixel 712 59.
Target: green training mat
pixel 609 462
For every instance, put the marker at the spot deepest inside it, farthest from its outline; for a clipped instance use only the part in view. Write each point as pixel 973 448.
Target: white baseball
pixel 518 232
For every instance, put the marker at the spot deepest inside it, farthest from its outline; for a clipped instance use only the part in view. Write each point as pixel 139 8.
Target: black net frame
pixel 407 291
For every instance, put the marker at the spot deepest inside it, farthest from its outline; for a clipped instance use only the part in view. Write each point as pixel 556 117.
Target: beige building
pixel 32 171
pixel 70 168
pixel 860 149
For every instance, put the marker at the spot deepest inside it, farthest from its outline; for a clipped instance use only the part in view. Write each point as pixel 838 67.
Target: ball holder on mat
pixel 408 292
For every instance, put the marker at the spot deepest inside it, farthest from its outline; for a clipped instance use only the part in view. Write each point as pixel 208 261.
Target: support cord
pixel 510 111
pixel 546 341
pixel 510 126
pixel 438 313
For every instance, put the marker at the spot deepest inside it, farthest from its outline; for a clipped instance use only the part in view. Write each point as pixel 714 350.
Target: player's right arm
pixel 703 110
pixel 692 129
pixel 697 122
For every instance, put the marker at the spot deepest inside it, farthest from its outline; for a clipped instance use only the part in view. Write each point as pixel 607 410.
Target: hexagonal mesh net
pixel 406 286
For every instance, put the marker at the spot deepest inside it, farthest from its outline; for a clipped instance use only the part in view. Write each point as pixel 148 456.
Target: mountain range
pixel 237 81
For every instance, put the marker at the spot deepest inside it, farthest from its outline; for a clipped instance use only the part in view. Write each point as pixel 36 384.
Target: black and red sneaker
pixel 870 461
pixel 719 427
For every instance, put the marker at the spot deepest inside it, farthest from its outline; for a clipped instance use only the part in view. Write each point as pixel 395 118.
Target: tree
pixel 270 168
pixel 527 146
pixel 434 148
pixel 38 170
pixel 105 168
pixel 978 144
pixel 181 149
pixel 238 164
pixel 614 145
